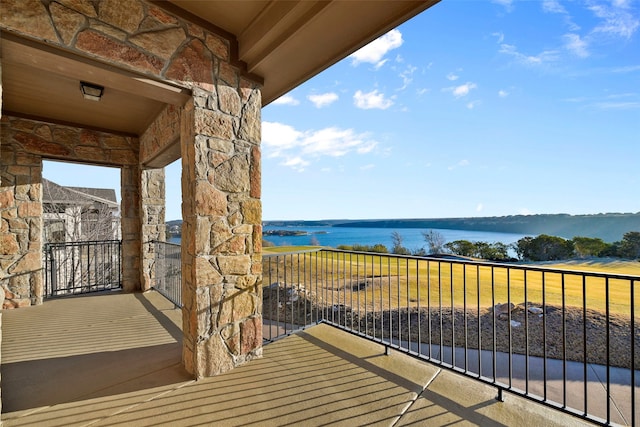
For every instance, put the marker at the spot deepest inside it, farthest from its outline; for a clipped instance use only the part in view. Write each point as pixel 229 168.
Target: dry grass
pixel 389 282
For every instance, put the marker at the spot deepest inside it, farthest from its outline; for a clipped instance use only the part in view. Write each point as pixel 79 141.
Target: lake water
pixel 412 237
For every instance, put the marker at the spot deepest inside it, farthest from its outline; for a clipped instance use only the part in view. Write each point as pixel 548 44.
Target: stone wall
pixel 221 231
pixel 24 144
pixel 161 136
pixel 132 34
pixel 219 140
pixel 153 219
pixel 2 295
pixel 131 224
pixel 20 223
pixel 59 142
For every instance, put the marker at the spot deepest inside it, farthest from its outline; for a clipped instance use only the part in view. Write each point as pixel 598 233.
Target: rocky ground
pixel 539 333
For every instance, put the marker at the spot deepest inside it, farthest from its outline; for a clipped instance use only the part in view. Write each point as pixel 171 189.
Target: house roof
pixel 54 193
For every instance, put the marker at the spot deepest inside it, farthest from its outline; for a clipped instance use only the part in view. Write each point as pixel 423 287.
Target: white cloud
pixel 462 90
pixel 631 105
pixel 508 4
pixel 480 207
pixel 628 69
pixel 616 20
pixel 278 137
pixel 374 52
pixel 298 148
pixel 553 6
pixel 525 211
pixel 323 99
pixel 286 100
pixel 541 58
pixel 335 142
pixel 616 101
pixel 296 163
pixel 576 45
pixel 461 163
pixel 452 77
pixel 423 91
pixel 472 104
pixel 500 36
pixel 407 76
pixel 370 100
pixel 503 93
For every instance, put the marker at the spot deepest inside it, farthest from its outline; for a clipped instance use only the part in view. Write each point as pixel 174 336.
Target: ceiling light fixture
pixel 91 91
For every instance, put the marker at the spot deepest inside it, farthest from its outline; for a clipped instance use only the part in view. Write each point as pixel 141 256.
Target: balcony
pixel 115 360
pixel 345 344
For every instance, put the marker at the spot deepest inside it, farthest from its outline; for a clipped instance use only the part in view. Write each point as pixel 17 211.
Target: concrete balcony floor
pixel 114 359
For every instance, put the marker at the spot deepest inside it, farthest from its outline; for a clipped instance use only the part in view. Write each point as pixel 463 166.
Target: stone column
pixel 153 223
pixel 1 270
pixel 130 178
pixel 21 273
pixel 221 210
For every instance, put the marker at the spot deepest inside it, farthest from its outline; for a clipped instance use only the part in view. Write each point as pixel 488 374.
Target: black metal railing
pixel 81 267
pixel 290 301
pixel 168 271
pixel 567 339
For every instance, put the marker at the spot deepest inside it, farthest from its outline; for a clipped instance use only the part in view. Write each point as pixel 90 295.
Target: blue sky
pixel 473 108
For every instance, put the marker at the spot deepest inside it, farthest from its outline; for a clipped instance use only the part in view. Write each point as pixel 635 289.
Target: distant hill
pixel 610 227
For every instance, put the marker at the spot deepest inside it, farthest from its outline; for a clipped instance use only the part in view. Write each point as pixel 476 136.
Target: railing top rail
pixel 519 266
pixel 304 251
pixel 84 242
pixel 165 243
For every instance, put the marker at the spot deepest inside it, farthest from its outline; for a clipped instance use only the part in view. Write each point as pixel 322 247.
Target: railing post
pixel 53 270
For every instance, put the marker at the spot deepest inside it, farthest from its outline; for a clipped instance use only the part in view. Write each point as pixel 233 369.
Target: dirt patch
pixel 292 304
pixel 522 336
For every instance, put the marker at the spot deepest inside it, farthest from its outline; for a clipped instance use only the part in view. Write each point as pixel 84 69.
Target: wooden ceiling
pixel 282 43
pixel 44 83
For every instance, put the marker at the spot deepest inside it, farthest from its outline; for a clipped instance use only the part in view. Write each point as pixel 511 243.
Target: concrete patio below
pixel 114 359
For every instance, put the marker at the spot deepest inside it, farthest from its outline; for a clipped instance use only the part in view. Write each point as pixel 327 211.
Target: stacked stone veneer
pixel 20 226
pixel 163 132
pixel 219 139
pixel 24 144
pixel 153 220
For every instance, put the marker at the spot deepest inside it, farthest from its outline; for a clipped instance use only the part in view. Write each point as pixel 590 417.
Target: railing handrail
pixel 514 266
pixel 164 242
pixel 83 242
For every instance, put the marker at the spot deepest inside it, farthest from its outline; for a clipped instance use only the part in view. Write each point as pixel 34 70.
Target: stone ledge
pixel 10 304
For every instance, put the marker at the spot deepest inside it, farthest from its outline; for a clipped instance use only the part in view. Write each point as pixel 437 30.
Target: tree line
pixel 539 248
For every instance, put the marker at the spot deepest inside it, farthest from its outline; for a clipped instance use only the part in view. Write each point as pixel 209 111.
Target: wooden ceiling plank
pixel 283 30
pixel 50 60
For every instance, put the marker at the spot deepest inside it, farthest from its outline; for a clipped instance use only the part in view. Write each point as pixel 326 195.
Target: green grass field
pixel 386 282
